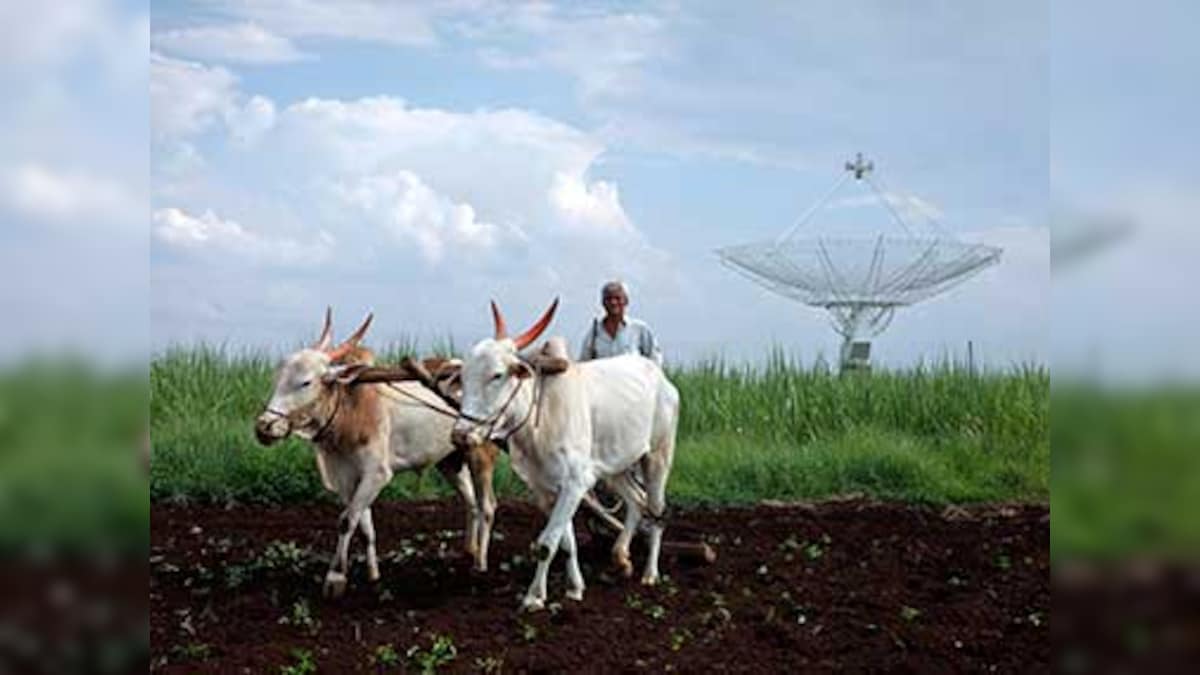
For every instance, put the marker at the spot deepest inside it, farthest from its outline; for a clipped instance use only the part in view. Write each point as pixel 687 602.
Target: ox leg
pixel 656 470
pixel 459 475
pixel 364 494
pixel 635 501
pixel 548 541
pixel 366 525
pixel 574 576
pixel 482 461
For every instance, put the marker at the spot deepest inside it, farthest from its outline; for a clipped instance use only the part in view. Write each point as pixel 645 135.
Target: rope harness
pixel 291 424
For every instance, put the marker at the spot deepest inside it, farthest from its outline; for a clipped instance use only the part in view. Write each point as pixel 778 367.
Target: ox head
pixel 305 384
pixel 491 373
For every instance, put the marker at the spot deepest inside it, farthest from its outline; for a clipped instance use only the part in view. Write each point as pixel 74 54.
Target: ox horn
pixel 498 322
pixel 524 339
pixel 351 342
pixel 323 342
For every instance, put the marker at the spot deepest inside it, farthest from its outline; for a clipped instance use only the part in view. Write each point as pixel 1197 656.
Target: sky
pixel 417 159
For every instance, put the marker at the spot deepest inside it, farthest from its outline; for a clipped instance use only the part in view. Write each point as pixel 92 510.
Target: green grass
pixel 783 431
pixel 70 473
pixel 1126 472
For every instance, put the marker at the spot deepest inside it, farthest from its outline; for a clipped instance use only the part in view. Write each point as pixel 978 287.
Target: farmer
pixel 615 333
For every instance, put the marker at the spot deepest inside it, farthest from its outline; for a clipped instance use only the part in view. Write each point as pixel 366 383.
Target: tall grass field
pixel 781 430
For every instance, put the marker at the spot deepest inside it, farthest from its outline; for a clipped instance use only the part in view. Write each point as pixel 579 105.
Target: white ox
pixel 365 432
pixel 594 420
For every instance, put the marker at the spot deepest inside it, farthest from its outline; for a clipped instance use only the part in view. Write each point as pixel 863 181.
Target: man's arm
pixel 649 346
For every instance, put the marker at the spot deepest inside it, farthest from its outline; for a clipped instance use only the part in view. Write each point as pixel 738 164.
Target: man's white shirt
pixel 633 337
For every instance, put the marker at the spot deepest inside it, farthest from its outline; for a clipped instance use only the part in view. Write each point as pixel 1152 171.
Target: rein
pixel 337 407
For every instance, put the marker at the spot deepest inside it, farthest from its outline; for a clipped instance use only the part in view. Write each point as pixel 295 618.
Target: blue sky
pixel 416 159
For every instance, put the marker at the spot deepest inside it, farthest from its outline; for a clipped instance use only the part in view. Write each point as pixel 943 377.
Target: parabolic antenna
pixel 861 278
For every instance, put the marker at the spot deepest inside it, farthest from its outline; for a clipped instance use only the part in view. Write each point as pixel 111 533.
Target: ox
pixel 592 420
pixel 365 432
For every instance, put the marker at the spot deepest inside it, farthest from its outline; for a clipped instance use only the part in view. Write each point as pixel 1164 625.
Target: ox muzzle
pixel 271 427
pixel 467 433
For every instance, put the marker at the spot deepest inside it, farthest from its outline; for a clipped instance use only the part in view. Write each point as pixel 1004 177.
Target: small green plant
pixel 385 656
pixel 633 602
pixel 656 612
pixel 192 651
pixel 303 663
pixel 909 614
pixel 679 637
pixel 529 632
pixel 283 556
pixel 1002 561
pixel 813 551
pixel 489 664
pixel 440 653
pixel 300 616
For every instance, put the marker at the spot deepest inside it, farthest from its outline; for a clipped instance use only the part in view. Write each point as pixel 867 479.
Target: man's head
pixel 614 298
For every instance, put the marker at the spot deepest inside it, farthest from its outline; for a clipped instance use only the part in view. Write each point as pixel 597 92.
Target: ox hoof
pixel 650 580
pixel 624 567
pixel 373 574
pixel 335 585
pixel 530 604
pixel 575 594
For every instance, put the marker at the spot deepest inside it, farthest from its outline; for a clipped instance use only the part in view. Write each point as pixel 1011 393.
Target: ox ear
pixel 344 374
pixel 520 369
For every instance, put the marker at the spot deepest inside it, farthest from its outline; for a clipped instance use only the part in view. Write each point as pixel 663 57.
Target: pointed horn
pixel 498 321
pixel 357 335
pixel 323 342
pixel 524 339
pixel 351 342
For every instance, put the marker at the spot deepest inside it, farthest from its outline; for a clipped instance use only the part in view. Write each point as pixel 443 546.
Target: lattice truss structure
pixel 861 280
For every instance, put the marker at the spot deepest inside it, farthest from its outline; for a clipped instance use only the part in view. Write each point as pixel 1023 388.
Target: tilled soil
pixel 849 584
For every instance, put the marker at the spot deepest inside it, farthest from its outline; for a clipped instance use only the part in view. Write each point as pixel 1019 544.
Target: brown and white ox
pixel 365 432
pixel 591 420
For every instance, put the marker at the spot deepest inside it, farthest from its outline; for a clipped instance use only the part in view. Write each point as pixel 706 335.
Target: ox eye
pixel 497 376
pixel 305 384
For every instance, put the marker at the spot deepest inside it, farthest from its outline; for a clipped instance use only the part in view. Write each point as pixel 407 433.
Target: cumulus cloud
pixel 590 206
pixel 208 234
pixel 515 167
pixel 245 42
pixel 412 212
pixel 187 99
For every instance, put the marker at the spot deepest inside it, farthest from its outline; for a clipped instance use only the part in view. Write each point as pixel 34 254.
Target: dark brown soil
pixel 839 585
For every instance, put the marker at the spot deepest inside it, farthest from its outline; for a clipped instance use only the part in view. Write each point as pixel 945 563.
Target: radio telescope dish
pixel 861 279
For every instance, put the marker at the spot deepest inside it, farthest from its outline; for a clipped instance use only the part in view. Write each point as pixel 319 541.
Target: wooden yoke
pixel 409 370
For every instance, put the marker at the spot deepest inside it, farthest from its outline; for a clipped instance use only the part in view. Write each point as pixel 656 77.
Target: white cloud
pixel 595 206
pixel 208 234
pixel 511 166
pixel 76 197
pixel 187 99
pixel 245 42
pixel 412 212
pixel 398 23
pixel 603 51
